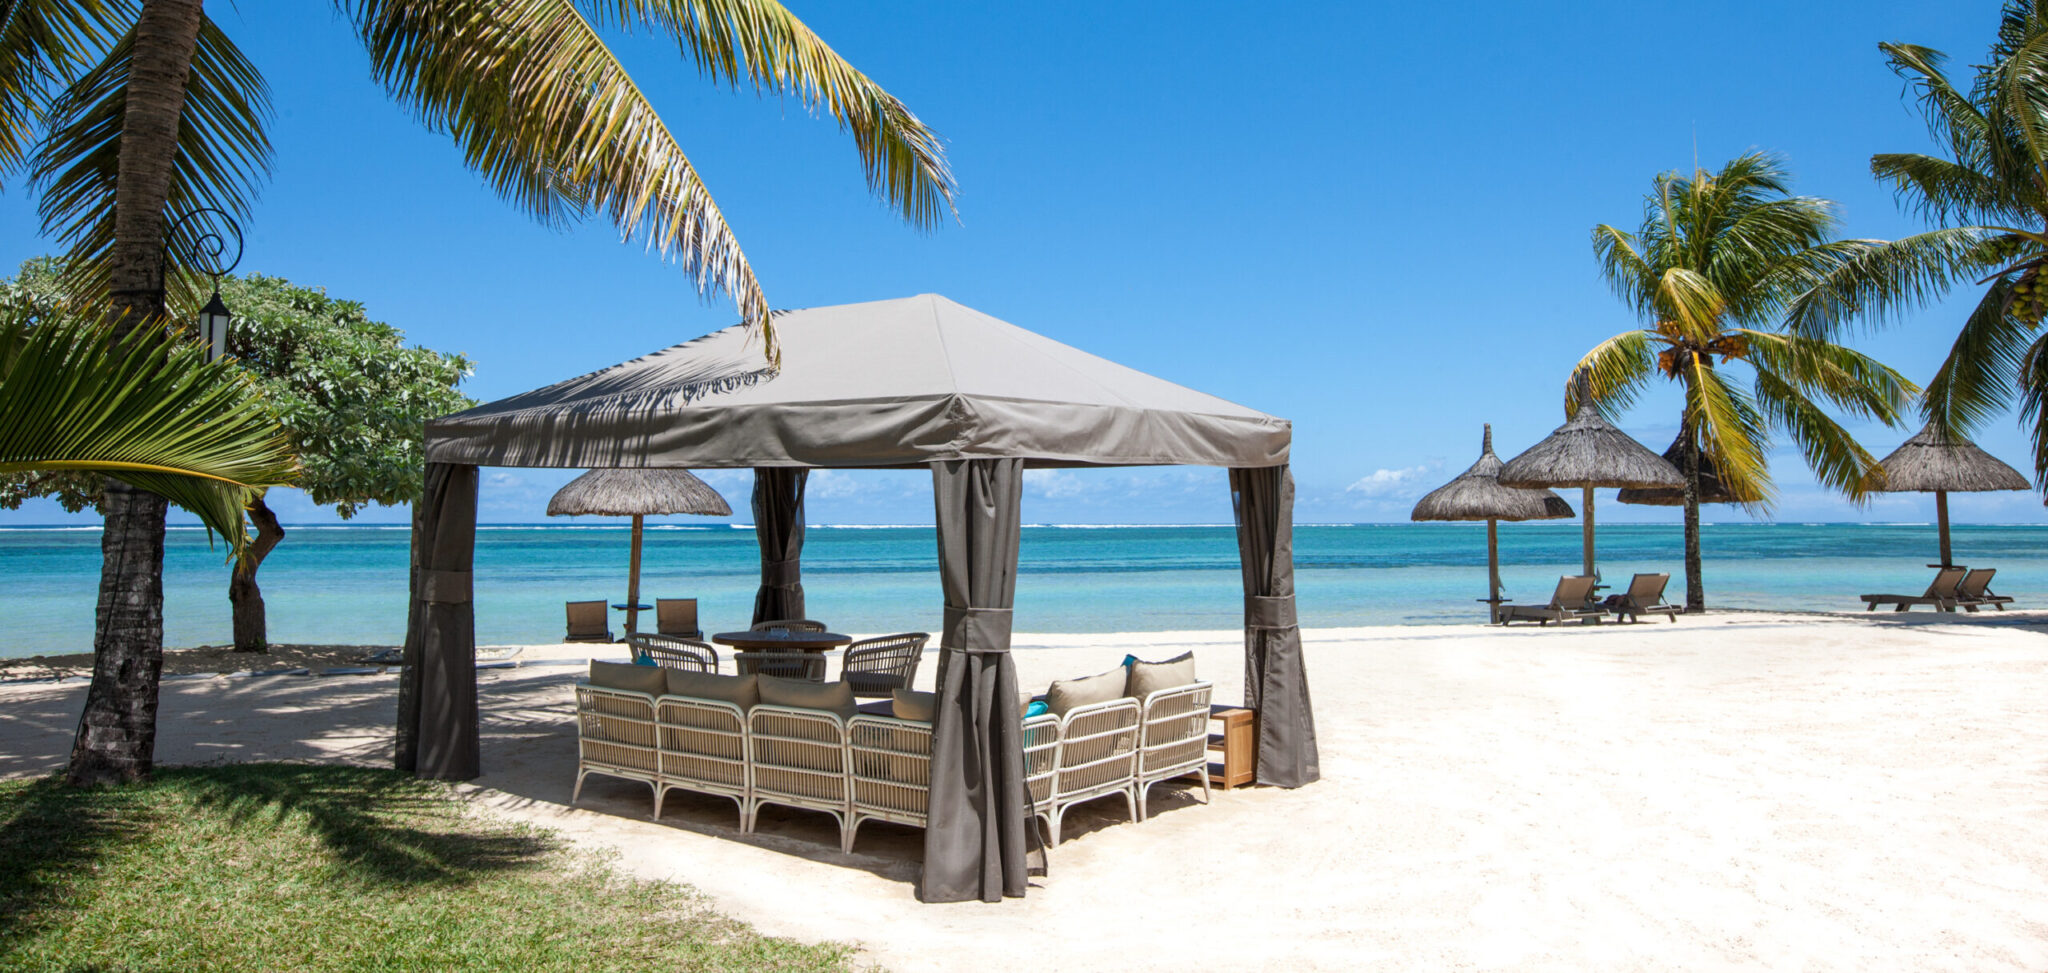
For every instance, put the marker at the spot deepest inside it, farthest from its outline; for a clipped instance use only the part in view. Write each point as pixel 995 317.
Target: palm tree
pixel 1720 260
pixel 1989 192
pixel 127 111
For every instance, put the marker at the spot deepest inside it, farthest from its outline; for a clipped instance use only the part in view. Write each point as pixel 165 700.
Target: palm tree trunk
pixel 1695 586
pixel 251 625
pixel 117 732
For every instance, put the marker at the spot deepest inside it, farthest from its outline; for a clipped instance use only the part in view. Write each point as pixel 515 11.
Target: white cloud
pixel 1055 484
pixel 1384 483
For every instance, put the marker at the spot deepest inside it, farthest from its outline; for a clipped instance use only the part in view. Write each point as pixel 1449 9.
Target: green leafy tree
pixel 126 112
pixel 352 398
pixel 1987 189
pixel 1718 262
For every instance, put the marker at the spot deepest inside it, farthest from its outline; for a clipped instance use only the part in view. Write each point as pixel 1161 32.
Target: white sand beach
pixel 1733 791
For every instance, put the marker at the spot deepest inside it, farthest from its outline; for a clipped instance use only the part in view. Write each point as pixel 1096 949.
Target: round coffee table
pixel 782 641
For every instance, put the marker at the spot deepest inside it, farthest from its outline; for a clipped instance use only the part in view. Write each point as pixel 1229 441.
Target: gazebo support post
pixel 1586 505
pixel 633 582
pixel 980 842
pixel 779 527
pixel 437 714
pixel 1941 518
pixel 1275 681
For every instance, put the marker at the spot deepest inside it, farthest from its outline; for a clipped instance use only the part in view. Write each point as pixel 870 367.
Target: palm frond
pixel 1849 379
pixel 1838 461
pixel 1944 191
pixel 43 45
pixel 1731 431
pixel 148 411
pixel 2033 382
pixel 1976 380
pixel 223 156
pixel 1875 281
pixel 1623 267
pixel 1618 370
pixel 1952 117
pixel 1690 300
pixel 761 42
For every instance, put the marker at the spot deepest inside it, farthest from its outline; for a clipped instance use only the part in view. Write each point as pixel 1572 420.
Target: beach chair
pixel 1645 596
pixel 1572 599
pixel 1976 591
pixel 677 617
pixel 588 622
pixel 878 667
pixel 673 653
pixel 1941 594
pixel 792 624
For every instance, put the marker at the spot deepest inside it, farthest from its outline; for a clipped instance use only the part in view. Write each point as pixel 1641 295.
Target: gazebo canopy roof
pixel 631 493
pixel 1477 494
pixel 894 383
pixel 1931 462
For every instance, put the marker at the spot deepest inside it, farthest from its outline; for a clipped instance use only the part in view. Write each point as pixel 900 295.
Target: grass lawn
pixel 287 866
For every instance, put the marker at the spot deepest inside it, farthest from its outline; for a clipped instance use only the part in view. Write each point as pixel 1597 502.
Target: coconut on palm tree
pixel 127 112
pixel 1987 187
pixel 1719 262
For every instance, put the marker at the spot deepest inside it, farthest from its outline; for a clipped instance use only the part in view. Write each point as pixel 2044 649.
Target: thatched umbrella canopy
pixel 1587 452
pixel 1712 490
pixel 637 493
pixel 1476 494
pixel 1931 462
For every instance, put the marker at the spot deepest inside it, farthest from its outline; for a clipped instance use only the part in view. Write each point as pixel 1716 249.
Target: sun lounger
pixel 1941 594
pixel 588 622
pixel 1976 591
pixel 1572 599
pixel 678 617
pixel 1645 596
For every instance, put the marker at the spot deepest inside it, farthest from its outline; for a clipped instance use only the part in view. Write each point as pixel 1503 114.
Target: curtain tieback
pixel 1269 611
pixel 976 629
pixel 782 574
pixel 445 587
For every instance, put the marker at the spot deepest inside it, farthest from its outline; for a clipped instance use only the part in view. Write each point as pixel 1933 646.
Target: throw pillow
pixel 737 690
pixel 627 676
pixel 835 697
pixel 1150 677
pixel 1068 694
pixel 915 706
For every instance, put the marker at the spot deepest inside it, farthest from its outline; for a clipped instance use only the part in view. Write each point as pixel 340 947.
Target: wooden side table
pixel 1238 743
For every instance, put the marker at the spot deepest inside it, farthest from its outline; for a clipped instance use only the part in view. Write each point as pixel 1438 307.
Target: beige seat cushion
pixel 1068 694
pixel 915 706
pixel 1147 678
pixel 740 691
pixel 625 675
pixel 836 697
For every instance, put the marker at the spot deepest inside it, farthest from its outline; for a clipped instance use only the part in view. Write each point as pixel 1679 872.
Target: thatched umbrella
pixel 1712 490
pixel 1476 494
pixel 1933 463
pixel 1587 452
pixel 637 494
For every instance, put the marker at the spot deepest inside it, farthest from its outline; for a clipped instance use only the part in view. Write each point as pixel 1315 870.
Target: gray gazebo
pixel 1931 462
pixel 914 383
pixel 638 494
pixel 1587 452
pixel 1477 494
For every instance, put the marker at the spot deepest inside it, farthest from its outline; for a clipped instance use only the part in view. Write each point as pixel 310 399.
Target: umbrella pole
pixel 633 583
pixel 1941 517
pixel 1586 501
pixel 1492 570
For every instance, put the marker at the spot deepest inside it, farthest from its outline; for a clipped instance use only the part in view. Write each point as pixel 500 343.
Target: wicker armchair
pixel 1175 741
pixel 798 759
pixel 792 624
pixel 879 666
pixel 673 653
pixel 1096 756
pixel 788 665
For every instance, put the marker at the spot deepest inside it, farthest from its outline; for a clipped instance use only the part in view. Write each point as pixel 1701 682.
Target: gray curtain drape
pixel 779 526
pixel 437 718
pixel 1275 683
pixel 975 840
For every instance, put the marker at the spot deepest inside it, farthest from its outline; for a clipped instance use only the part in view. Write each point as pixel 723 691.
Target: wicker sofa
pixel 871 767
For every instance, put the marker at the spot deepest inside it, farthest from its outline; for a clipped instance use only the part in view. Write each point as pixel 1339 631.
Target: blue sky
pixel 1371 219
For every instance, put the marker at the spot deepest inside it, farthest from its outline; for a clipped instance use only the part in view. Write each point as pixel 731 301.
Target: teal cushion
pixel 1038 707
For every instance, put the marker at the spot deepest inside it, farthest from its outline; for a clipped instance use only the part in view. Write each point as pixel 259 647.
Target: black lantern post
pixel 205 253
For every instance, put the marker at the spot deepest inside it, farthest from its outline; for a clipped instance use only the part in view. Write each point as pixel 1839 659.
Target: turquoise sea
pixel 347 584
